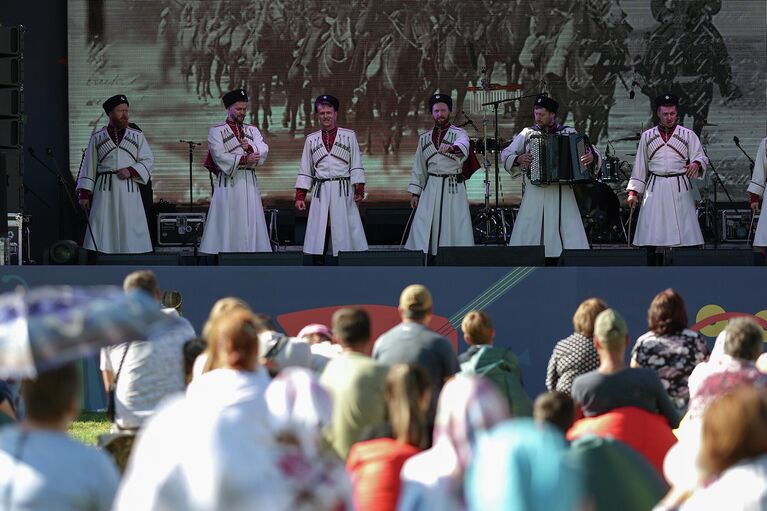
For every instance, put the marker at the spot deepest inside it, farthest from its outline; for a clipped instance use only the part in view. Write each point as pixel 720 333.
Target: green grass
pixel 88 426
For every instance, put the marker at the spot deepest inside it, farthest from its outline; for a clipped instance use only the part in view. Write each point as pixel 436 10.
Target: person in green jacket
pixel 497 364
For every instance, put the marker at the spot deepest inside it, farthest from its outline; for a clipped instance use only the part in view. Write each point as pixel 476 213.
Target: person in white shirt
pixel 41 467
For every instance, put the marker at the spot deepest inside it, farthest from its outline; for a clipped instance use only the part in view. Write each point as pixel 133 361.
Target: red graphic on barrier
pixel 382 318
pixel 712 319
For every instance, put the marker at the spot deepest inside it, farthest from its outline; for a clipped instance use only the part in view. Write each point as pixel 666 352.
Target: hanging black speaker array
pixel 11 123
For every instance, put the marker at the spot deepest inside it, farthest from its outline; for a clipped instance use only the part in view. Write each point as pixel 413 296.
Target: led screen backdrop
pixel 602 59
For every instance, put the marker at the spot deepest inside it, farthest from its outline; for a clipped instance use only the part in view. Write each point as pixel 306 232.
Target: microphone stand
pixel 62 182
pixel 490 213
pixel 191 145
pixel 737 143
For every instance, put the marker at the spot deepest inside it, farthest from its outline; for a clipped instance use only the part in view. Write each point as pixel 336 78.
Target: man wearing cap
pixel 235 220
pixel 412 342
pixel 756 192
pixel 548 214
pixel 331 164
pixel 668 158
pixel 438 192
pixel 117 159
pixel 613 385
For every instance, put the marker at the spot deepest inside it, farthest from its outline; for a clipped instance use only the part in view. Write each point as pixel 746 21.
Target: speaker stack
pixel 11 122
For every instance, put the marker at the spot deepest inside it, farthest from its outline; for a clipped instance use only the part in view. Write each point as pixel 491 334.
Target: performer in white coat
pixel 668 157
pixel 540 221
pixel 235 220
pixel 438 192
pixel 756 191
pixel 331 164
pixel 116 159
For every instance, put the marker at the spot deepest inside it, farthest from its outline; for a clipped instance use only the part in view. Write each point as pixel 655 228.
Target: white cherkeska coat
pixel 333 175
pixel 539 221
pixel 442 218
pixel 757 186
pixel 117 218
pixel 668 217
pixel 235 220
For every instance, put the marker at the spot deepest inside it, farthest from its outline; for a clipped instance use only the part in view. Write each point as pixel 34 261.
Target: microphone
pixel 736 140
pixel 469 121
pixel 188 142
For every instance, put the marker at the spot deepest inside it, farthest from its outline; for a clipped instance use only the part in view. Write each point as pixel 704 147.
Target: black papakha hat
pixel 112 102
pixel 546 102
pixel 441 98
pixel 326 99
pixel 667 99
pixel 234 96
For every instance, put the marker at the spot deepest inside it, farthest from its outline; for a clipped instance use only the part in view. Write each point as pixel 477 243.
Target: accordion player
pixel 557 159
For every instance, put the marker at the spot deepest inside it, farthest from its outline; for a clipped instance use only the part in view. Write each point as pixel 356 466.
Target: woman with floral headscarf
pixel 433 479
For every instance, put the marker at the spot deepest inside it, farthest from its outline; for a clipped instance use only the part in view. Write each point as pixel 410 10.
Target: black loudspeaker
pixel 382 258
pixel 11 40
pixel 261 259
pixel 11 133
pixel 138 259
pixel 384 226
pixel 712 257
pixel 12 180
pixel 605 257
pixel 533 255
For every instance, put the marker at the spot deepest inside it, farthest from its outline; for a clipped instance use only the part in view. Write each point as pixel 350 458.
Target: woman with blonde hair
pixel 208 360
pixel 575 354
pixel 375 464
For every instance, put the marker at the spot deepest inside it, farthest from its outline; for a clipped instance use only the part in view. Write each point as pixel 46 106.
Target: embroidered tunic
pixel 235 220
pixel 539 221
pixel 117 218
pixel 668 217
pixel 333 167
pixel 442 218
pixel 756 186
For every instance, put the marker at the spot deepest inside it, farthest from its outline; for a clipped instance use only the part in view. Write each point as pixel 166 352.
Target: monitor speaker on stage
pixel 261 259
pixel 712 257
pixel 605 257
pixel 138 259
pixel 384 226
pixel 382 258
pixel 533 255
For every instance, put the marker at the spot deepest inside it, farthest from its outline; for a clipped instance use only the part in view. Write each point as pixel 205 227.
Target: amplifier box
pixel 178 229
pixel 736 224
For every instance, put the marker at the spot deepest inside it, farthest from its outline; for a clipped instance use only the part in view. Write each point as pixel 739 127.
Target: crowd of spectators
pixel 246 417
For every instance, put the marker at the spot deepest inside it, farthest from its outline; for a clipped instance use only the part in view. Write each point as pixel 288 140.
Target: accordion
pixel 557 159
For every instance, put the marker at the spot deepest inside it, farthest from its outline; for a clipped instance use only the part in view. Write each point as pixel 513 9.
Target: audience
pixel 41 467
pixel 499 365
pixel 733 457
pixel 555 408
pixel 412 342
pixel 735 367
pixel 143 372
pixel 207 360
pixel 433 479
pixel 355 381
pixel 236 439
pixel 669 348
pixel 614 385
pixel 375 465
pixel 575 354
pixel 520 466
pixel 279 350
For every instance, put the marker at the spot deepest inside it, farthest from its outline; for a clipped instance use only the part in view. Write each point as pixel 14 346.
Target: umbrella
pixel 47 327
